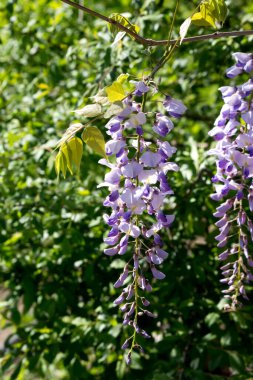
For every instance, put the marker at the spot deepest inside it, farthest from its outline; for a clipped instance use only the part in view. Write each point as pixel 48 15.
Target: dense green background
pixel 56 292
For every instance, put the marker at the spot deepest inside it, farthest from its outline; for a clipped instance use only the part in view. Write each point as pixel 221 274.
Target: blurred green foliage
pixel 56 283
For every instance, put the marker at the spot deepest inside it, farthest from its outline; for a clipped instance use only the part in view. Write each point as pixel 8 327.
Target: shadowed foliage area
pixel 57 285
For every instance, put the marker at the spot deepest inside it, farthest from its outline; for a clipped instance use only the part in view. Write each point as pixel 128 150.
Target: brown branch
pixel 150 42
pixel 136 36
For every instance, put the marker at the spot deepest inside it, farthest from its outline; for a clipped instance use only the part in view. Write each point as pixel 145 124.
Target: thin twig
pixel 150 42
pixel 138 38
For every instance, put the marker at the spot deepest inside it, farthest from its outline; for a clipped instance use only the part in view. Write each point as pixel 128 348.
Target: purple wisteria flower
pixel 233 182
pixel 138 185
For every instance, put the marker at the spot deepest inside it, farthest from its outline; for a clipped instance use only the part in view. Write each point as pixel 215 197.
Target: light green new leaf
pixel 122 78
pixel 212 13
pixel 73 151
pixel 204 17
pixel 184 28
pixel 218 9
pixel 70 132
pixel 123 21
pixel 115 92
pixel 93 137
pixel 60 164
pixel 91 110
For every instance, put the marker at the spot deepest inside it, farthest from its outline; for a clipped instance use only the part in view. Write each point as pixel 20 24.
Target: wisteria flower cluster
pixel 233 183
pixel 138 185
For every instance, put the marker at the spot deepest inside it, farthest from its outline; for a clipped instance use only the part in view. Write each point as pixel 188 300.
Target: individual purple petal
pixel 140 88
pixel 249 66
pixel 241 58
pixel 112 240
pixel 113 147
pixel 158 240
pixel 174 107
pixel 121 279
pixel 130 229
pixel 157 274
pixel 120 299
pixel 132 169
pixel 126 344
pixel 161 253
pixel 166 220
pixel 233 71
pixel 224 255
pixel 144 301
pixel 111 251
pixel 150 159
pixel 163 125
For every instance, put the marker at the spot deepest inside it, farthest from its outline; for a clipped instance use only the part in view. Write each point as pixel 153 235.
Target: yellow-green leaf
pixel 218 9
pixel 207 13
pixel 204 17
pixel 122 78
pixel 73 151
pixel 70 132
pixel 60 164
pixel 94 138
pixel 123 21
pixel 115 92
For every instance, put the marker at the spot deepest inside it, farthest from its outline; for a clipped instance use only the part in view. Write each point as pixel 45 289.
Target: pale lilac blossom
pixel 138 185
pixel 233 132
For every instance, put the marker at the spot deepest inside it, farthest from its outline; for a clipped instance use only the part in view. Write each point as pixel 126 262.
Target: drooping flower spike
pixel 233 184
pixel 138 185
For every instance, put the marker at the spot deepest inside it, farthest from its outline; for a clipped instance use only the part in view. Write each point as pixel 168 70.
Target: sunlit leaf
pixel 219 10
pixel 212 13
pixel 60 164
pixel 115 92
pixel 184 28
pixel 70 132
pixel 204 17
pixel 91 110
pixel 124 22
pixel 94 138
pixel 72 151
pixel 118 37
pixel 122 78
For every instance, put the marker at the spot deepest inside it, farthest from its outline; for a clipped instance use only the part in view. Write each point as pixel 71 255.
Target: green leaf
pixel 124 22
pixel 70 132
pixel 211 318
pixel 122 78
pixel 219 10
pixel 94 138
pixel 61 164
pixel 91 110
pixel 204 17
pixel 73 150
pixel 115 92
pixel 212 13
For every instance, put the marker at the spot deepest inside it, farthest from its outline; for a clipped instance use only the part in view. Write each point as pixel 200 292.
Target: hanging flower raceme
pixel 233 132
pixel 138 185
